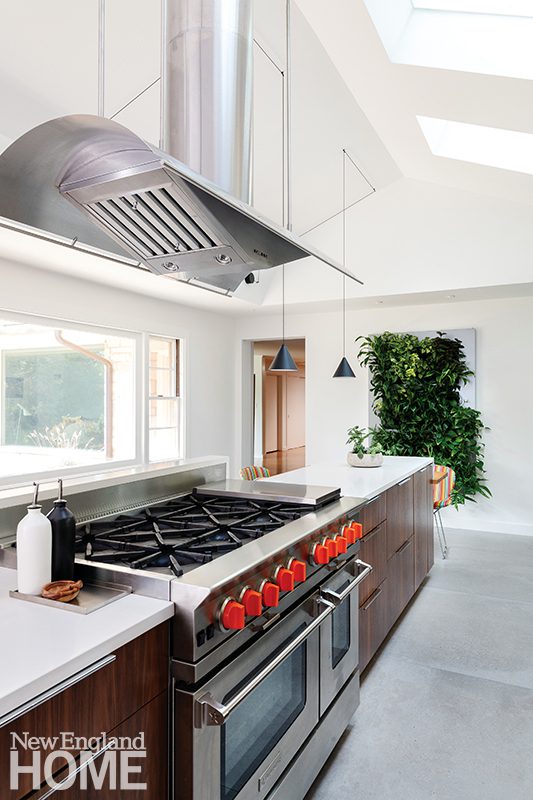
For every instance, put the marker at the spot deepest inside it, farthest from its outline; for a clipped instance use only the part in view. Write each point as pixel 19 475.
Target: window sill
pixel 110 477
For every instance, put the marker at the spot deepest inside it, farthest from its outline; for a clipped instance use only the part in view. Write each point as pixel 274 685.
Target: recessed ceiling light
pixel 492 147
pixel 514 8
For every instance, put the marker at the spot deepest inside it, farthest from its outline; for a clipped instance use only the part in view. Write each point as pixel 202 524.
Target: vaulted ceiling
pixel 433 226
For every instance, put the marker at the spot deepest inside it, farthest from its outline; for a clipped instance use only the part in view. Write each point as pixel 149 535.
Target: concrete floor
pixel 447 704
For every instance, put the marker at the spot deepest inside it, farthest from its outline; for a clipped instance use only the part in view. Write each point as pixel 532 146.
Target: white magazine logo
pixel 66 760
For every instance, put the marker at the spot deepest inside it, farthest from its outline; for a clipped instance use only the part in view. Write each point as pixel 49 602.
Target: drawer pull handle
pixel 373 532
pixel 373 597
pixel 81 766
pixel 404 546
pixel 373 500
pixel 405 480
pixel 11 716
pixel 336 597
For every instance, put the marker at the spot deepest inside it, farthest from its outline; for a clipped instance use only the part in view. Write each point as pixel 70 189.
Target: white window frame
pixel 141 374
pixel 181 404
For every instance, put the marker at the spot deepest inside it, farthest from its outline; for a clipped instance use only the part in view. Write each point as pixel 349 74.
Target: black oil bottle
pixel 63 539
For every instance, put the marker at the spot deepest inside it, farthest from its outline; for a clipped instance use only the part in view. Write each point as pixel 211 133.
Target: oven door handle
pixel 210 712
pixel 335 597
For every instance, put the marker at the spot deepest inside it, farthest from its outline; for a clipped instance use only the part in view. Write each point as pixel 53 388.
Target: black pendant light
pixel 344 369
pixel 283 361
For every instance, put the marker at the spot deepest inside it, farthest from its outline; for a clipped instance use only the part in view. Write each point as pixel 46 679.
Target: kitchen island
pixel 364 482
pixel 104 672
pixel 43 646
pixel 396 531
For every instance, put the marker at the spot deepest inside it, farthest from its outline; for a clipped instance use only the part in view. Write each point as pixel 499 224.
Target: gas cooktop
pixel 179 535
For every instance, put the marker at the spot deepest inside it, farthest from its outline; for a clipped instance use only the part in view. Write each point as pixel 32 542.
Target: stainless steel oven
pixel 238 732
pixel 339 633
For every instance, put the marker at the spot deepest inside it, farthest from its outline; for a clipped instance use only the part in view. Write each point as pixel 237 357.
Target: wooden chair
pixel 253 473
pixel 443 485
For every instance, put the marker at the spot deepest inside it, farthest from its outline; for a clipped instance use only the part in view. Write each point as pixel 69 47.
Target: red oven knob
pixel 358 529
pixel 342 543
pixel 320 554
pixel 252 601
pixel 232 615
pixel 284 578
pixel 331 544
pixel 299 568
pixel 349 534
pixel 270 593
pixel 352 532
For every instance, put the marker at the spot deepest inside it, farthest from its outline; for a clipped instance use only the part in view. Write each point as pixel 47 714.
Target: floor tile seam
pixel 443 670
pixel 473 594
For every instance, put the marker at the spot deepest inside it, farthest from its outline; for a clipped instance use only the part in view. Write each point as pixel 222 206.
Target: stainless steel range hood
pixel 92 181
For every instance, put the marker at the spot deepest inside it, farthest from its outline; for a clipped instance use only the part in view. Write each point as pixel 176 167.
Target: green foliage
pixel 53 398
pixel 72 433
pixel 416 386
pixel 358 436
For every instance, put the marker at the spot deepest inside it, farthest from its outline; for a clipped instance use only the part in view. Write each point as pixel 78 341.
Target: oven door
pixel 339 635
pixel 251 719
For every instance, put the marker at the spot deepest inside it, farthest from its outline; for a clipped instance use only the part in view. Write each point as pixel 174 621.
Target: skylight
pixel 514 8
pixel 492 147
pixel 491 37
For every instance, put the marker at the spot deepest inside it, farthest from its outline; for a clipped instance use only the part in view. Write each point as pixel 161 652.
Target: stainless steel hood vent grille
pixel 154 223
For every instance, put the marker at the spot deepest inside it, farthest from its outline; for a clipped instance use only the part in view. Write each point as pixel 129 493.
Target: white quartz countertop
pixel 42 646
pixel 364 482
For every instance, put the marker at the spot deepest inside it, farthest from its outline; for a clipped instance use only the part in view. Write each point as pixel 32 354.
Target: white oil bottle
pixel 34 549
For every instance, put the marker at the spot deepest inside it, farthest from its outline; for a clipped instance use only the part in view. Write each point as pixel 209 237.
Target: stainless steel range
pixel 264 578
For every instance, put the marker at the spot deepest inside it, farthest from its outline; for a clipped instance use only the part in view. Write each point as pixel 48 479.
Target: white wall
pixel 208 339
pixel 258 406
pixel 414 237
pixel 504 390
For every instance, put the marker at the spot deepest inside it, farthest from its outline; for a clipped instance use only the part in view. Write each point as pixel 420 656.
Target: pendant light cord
pixel 283 302
pixel 286 148
pixel 344 251
pixel 343 315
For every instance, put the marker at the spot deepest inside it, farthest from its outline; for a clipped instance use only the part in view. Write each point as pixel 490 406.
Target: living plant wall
pixel 416 388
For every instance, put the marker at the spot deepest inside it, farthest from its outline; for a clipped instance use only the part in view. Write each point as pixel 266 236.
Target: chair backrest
pixel 442 490
pixel 252 473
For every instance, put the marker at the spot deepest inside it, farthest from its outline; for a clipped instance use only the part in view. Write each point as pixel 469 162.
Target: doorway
pixel 279 409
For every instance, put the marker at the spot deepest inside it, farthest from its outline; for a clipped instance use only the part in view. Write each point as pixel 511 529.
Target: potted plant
pixel 364 452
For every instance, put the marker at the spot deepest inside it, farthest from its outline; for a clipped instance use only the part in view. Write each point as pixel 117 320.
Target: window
pixel 493 147
pixel 71 399
pixel 164 402
pixel 67 398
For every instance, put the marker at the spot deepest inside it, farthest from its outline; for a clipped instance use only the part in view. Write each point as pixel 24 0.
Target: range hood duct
pixel 208 89
pixel 90 181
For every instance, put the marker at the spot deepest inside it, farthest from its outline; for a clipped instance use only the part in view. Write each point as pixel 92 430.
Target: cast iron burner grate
pixel 182 533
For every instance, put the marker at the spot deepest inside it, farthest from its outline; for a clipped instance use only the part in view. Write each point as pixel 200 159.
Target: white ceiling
pixel 392 95
pixel 434 225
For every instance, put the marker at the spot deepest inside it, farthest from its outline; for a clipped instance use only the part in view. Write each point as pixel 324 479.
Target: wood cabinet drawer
pixel 401 580
pixel 92 704
pixel 374 512
pixel 152 722
pixel 400 500
pixel 373 550
pixel 373 623
pixel 423 523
